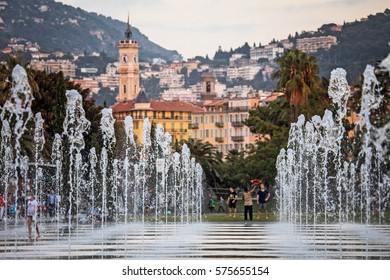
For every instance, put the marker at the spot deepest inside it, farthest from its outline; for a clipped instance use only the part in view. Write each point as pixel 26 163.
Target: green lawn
pixel 224 217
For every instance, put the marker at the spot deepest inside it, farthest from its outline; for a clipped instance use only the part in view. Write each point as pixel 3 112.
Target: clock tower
pixel 128 69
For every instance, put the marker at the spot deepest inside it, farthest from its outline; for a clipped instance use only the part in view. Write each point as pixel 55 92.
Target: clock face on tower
pixel 124 58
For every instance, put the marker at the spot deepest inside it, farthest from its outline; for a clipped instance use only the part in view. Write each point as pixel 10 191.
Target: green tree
pixel 234 171
pixel 207 156
pixel 298 77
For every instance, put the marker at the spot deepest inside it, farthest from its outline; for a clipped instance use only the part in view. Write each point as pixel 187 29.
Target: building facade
pixel 311 45
pixel 67 67
pixel 267 52
pixel 221 124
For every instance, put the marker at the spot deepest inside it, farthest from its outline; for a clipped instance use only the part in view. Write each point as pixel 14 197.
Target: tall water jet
pixel 56 159
pixel 144 169
pixel 164 158
pixel 339 92
pixel 17 111
pixel 75 125
pixel 108 132
pixel 92 157
pixel 39 141
pixel 129 176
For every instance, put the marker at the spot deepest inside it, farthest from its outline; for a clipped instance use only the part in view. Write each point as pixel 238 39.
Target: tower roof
pixel 128 29
pixel 142 98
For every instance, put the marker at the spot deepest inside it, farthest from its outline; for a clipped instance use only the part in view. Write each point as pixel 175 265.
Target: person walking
pixel 231 202
pixel 248 203
pixel 32 210
pixel 221 203
pixel 21 202
pixel 262 198
pixel 51 203
pixel 2 206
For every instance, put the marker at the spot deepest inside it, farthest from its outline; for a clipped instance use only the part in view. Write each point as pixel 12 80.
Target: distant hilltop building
pixel 269 52
pixel 54 66
pixel 313 44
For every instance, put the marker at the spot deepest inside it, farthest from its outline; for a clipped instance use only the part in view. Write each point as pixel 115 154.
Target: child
pixel 221 202
pixel 32 209
pixel 231 202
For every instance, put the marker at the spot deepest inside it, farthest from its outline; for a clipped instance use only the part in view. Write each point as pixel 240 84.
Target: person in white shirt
pixel 32 209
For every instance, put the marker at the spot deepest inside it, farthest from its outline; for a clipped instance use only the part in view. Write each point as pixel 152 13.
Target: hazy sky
pixel 198 27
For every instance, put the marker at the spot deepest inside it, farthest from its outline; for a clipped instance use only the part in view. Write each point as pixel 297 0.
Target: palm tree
pixel 207 156
pixel 298 77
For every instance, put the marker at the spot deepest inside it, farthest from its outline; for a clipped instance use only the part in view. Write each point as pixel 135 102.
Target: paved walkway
pixel 205 240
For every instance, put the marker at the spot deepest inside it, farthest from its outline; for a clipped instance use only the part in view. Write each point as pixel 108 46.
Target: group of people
pixel 29 209
pixel 262 198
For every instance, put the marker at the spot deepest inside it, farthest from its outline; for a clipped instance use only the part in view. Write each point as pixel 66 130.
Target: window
pixel 211 133
pixel 201 134
pixel 207 133
pixel 208 87
pixel 212 119
pixel 124 88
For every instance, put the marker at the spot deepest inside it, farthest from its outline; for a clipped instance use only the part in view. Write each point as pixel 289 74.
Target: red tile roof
pixel 174 105
pixel 123 107
pixel 159 105
pixel 216 102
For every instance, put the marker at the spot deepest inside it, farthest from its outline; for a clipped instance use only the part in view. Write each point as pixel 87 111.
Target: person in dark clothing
pixel 262 198
pixel 51 203
pixel 231 202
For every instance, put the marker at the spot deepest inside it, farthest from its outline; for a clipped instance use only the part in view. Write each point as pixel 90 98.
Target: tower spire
pixel 128 29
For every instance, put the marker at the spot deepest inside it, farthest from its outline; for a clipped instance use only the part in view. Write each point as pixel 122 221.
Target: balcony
pixel 219 124
pixel 239 109
pixel 237 138
pixel 176 131
pixel 193 126
pixel 219 139
pixel 237 124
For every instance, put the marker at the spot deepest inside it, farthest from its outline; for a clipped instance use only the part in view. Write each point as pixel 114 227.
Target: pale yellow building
pixel 175 116
pixel 221 123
